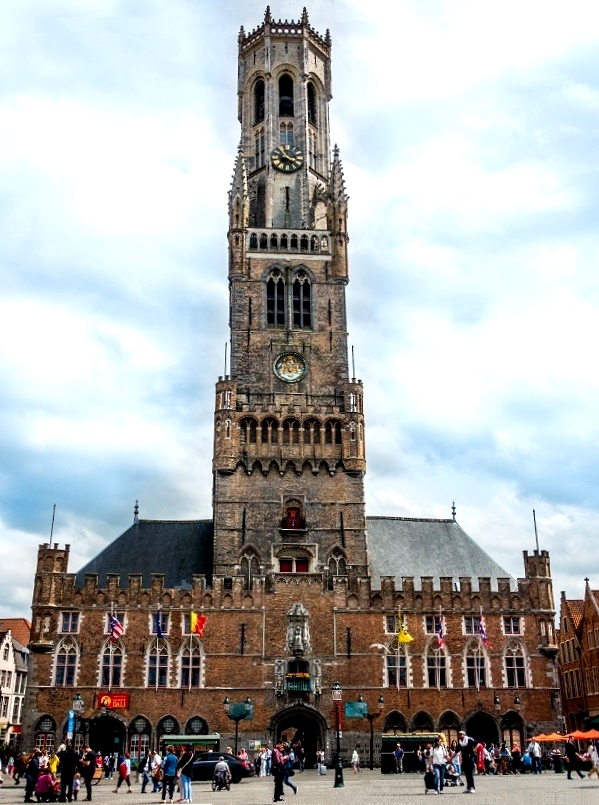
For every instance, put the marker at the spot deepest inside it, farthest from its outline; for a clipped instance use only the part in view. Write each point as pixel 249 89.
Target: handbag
pixel 290 772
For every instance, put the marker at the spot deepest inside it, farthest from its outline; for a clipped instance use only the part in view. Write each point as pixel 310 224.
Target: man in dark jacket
pixel 31 774
pixel 88 767
pixel 573 757
pixel 466 746
pixel 67 766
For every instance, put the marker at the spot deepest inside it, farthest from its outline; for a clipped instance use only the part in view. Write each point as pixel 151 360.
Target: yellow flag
pixel 403 636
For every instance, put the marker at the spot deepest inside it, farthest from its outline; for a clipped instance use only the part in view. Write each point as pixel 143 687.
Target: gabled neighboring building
pixel 579 659
pixel 14 638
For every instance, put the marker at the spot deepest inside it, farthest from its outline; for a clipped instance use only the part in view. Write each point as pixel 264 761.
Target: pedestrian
pixel 157 774
pixel 278 770
pixel 355 761
pixel 184 768
pixel 32 772
pixel 594 758
pixel 439 762
pixel 68 763
pixel 572 758
pixel 124 773
pixel 289 758
pixel 398 754
pixel 144 768
pixel 87 767
pixel 516 759
pixel 534 750
pixel 169 769
pixel 76 785
pixel 467 746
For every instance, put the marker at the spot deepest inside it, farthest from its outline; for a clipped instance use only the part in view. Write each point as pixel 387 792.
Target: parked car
pixel 204 763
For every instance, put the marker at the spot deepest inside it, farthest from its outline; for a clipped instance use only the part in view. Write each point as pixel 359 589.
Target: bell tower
pixel 289 444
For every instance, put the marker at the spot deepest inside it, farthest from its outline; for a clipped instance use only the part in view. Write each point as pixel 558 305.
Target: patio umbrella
pixel 592 734
pixel 555 736
pixel 577 734
pixel 540 737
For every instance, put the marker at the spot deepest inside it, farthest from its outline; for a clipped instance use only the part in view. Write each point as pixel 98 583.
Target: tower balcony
pixel 289 241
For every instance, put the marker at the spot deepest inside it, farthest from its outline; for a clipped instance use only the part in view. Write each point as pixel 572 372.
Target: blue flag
pixel 158 625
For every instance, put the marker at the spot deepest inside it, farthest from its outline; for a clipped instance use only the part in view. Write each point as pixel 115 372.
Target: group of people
pixel 447 763
pixel 59 776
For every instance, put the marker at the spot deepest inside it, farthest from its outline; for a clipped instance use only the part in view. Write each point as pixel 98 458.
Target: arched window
pixel 65 668
pixel 294 241
pixel 436 666
pixel 449 723
pixel 259 149
pixel 248 431
pixel 311 104
pixel 396 664
pixel 249 568
pixel 314 243
pixel 273 242
pixel 333 432
pixel 285 96
pixel 168 725
pixel 284 242
pixel 311 431
pixel 515 668
pixel 275 300
pixel 259 101
pixel 270 431
pixel 253 241
pixel 190 658
pixel 140 731
pixel 395 722
pixel 263 241
pixel 476 665
pixel 196 726
pixel 45 734
pixel 112 664
pixel 304 243
pixel 337 567
pixel 291 431
pixel 158 657
pixel 301 300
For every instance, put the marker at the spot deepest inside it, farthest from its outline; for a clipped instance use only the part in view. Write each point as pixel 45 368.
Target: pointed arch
pixel 291 431
pixel 191 663
pixel 437 664
pixel 476 664
pixel 397 664
pixel 66 663
pixel 514 660
pixel 259 96
pixel 158 661
pixel 250 567
pixel 112 657
pixel 286 107
pixel 395 722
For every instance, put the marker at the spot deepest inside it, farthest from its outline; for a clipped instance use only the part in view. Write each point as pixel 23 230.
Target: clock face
pixel 290 367
pixel 287 158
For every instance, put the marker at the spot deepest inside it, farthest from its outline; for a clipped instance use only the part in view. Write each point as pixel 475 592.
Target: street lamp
pixel 371 716
pixel 497 703
pixel 336 692
pixel 237 712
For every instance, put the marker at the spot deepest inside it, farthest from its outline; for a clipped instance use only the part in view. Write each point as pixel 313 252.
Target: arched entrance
pixel 107 734
pixel 303 723
pixel 482 727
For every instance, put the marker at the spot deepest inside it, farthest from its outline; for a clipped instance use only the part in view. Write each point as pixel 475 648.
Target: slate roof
pixel 178 548
pixel 20 629
pixel 403 546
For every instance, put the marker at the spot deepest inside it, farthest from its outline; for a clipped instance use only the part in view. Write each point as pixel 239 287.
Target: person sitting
pixel 44 787
pixel 222 773
pixel 451 775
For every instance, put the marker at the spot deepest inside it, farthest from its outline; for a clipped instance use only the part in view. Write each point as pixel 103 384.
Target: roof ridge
pixel 411 519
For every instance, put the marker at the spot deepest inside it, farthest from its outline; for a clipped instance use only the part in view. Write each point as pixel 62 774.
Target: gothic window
pixel 66 663
pixel 291 431
pixel 284 242
pixel 45 734
pixel 337 565
pixel 511 625
pixel 449 723
pixel 275 300
pixel 248 431
pixel 69 622
pixel 294 241
pixel 515 672
pixel 301 300
pixel 270 431
pixel 158 664
pixel 273 241
pixel 263 241
pixel 304 243
pixel 249 569
pixel 436 668
pixel 396 665
pixel 311 431
pixel 352 431
pixel 112 664
pixel 311 104
pixel 314 243
pixel 190 658
pixel 196 726
pixel 259 149
pixel 476 665
pixel 253 241
pixel 286 134
pixel 333 432
pixel 259 101
pixel 285 96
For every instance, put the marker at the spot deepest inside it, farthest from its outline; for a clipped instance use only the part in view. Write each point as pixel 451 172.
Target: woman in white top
pixel 439 758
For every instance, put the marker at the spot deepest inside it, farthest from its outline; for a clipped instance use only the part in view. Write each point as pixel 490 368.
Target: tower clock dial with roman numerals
pixel 287 158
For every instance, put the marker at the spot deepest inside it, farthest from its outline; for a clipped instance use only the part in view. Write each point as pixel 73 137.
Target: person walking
pixel 439 759
pixel 355 761
pixel 572 757
pixel 277 767
pixel 289 770
pixel 467 746
pixel 185 767
pixel 594 758
pixel 169 768
pixel 534 750
pixel 144 768
pixel 157 774
pixel 124 773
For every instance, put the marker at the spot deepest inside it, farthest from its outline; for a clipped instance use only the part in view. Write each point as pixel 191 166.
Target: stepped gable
pixel 405 547
pixel 178 548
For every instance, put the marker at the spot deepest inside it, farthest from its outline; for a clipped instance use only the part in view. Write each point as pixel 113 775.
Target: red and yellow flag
pixel 198 621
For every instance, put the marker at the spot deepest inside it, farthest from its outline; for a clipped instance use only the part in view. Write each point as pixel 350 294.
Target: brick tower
pixel 289 455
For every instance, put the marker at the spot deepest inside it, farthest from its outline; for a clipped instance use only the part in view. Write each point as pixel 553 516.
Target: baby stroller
pixel 452 778
pixel 221 780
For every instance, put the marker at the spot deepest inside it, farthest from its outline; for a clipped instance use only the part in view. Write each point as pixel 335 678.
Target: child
pixel 76 785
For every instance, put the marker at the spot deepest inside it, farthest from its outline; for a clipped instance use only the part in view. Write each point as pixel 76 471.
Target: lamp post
pixel 371 716
pixel 336 694
pixel 237 712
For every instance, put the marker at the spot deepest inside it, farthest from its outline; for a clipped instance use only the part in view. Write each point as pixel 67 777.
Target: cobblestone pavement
pixel 367 788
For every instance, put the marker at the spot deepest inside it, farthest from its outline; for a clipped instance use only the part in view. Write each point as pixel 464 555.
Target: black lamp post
pixel 371 716
pixel 336 693
pixel 237 712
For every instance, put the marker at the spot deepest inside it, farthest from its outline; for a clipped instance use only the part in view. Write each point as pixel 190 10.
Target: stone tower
pixel 289 454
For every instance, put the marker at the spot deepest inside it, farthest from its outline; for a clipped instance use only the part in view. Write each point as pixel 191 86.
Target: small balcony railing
pixel 298 683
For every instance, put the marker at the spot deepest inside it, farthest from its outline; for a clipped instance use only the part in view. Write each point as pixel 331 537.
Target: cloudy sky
pixel 469 136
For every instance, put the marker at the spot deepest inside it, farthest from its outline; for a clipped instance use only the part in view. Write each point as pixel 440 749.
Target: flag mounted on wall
pixel 159 632
pixel 482 629
pixel 116 628
pixel 440 630
pixel 197 623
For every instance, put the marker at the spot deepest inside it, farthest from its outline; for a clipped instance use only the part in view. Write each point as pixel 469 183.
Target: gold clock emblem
pixel 290 367
pixel 287 158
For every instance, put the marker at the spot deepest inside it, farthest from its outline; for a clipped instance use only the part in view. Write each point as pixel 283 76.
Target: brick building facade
pixel 299 588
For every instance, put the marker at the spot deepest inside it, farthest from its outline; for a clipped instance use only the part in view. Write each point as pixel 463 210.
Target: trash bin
pixel 558 764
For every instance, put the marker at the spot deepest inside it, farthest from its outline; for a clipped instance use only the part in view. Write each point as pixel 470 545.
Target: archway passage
pixel 304 724
pixel 106 735
pixel 482 727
